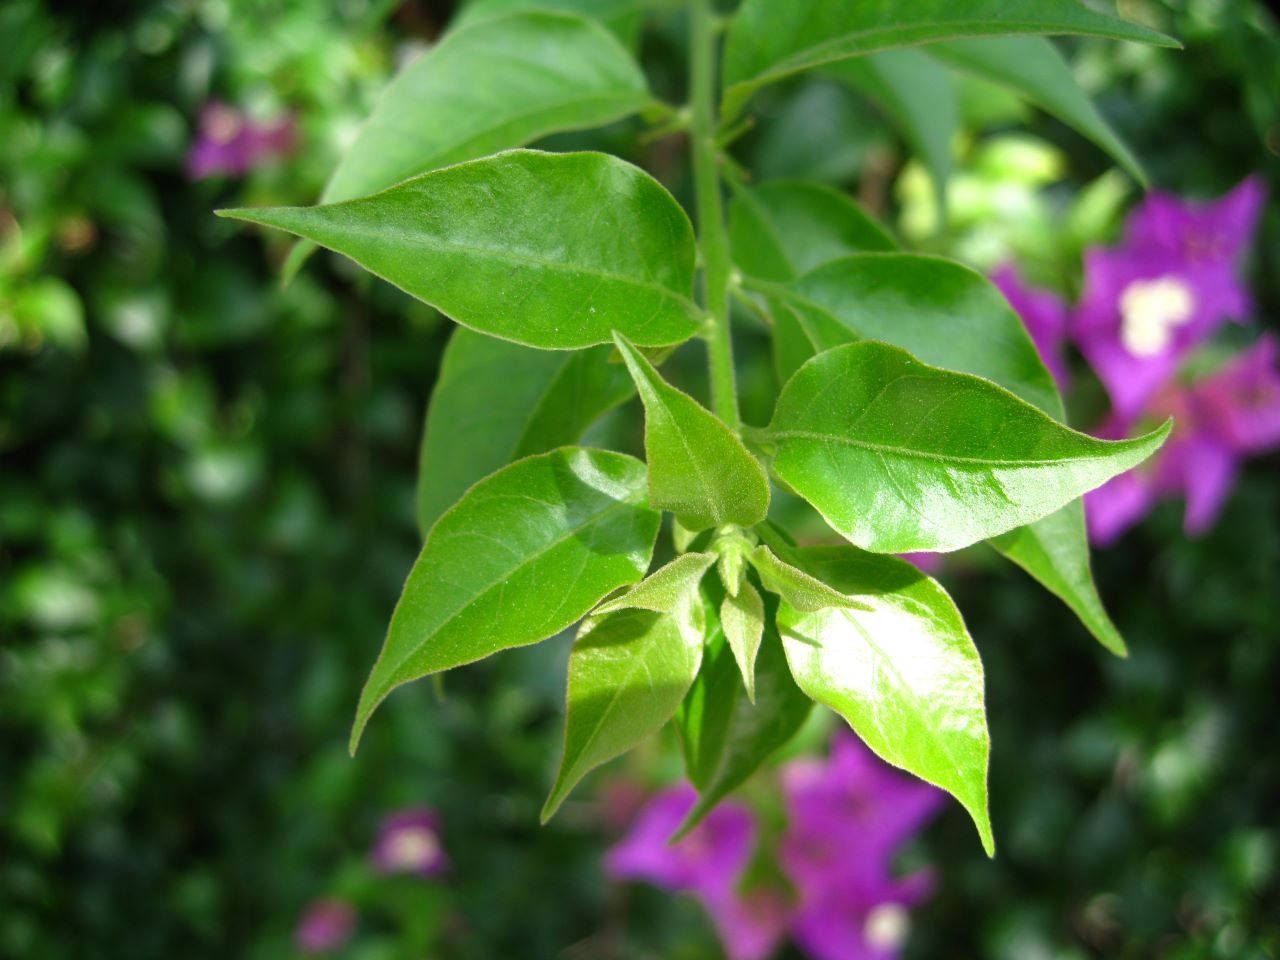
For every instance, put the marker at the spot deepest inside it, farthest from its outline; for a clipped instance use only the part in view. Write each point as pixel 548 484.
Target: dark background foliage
pixel 206 513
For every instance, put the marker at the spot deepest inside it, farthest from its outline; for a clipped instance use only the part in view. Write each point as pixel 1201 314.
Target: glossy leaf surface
pixel 899 456
pixel 628 672
pixel 550 250
pixel 495 402
pixel 742 620
pixel 575 518
pixel 749 734
pixel 782 230
pixel 904 673
pixel 949 316
pixel 698 469
pixel 940 311
pixel 1033 68
pixel 769 40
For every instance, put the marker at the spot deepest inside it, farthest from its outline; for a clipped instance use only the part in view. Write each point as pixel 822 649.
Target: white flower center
pixel 886 927
pixel 412 849
pixel 1150 310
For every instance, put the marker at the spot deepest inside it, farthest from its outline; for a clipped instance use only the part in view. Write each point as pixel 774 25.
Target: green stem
pixel 712 238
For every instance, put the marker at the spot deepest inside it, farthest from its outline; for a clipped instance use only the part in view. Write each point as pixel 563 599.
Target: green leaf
pixel 549 250
pixel 797 588
pixel 782 230
pixel 917 97
pixel 939 310
pixel 698 468
pixel 1033 68
pixel 628 672
pixel 621 16
pixel 492 85
pixel 573 518
pixel 742 736
pixel 668 590
pixel 487 86
pixel 742 619
pixel 904 672
pixel 1055 551
pixel 900 456
pixel 707 710
pixel 907 300
pixel 769 40
pixel 495 402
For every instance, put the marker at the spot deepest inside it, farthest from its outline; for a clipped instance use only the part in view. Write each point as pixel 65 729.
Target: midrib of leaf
pixel 498 581
pixel 808 58
pixel 883 449
pixel 506 256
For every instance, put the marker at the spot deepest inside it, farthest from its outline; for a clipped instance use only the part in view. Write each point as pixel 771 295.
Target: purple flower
pixel 326 925
pixel 1221 420
pixel 230 144
pixel 409 842
pixel 847 818
pixel 1168 288
pixel 708 863
pixel 1045 316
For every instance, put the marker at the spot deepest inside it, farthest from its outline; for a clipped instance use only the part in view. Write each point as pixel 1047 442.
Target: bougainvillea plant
pixel 916 414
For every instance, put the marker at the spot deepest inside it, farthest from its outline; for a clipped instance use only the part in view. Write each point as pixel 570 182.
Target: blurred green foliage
pixel 206 513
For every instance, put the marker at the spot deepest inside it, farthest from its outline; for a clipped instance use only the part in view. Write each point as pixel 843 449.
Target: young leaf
pixel 917 97
pixel 781 230
pixel 628 672
pixel 495 402
pixel 900 456
pixel 698 468
pixel 704 717
pixel 744 735
pixel 799 589
pixel 1033 67
pixel 668 590
pixel 769 40
pixel 575 518
pixel 742 619
pixel 904 672
pixel 550 250
pixel 907 300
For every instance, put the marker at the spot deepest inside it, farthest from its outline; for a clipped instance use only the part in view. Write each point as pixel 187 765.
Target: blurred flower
pixel 326 925
pixel 927 563
pixel 1172 283
pixel 1221 420
pixel 1044 315
pixel 708 863
pixel 847 818
pixel 409 842
pixel 230 144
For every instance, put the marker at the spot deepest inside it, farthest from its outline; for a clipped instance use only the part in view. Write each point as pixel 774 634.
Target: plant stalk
pixel 712 236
